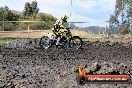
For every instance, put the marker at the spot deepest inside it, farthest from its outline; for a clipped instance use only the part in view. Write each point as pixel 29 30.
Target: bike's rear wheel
pixel 75 42
pixel 44 42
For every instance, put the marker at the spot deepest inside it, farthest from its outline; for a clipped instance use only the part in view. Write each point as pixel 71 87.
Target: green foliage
pixel 118 7
pixel 48 21
pixel 7 15
pixel 4 11
pixel 27 10
pixel 38 26
pixel 130 8
pixel 30 13
pixel 5 41
pixel 22 26
pixel 123 12
pixel 123 29
pixel 35 9
pixel 112 19
pixel 8 26
pixel 30 10
pixel 46 17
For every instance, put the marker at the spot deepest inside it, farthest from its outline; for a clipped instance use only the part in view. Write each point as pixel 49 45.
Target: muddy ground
pixel 23 64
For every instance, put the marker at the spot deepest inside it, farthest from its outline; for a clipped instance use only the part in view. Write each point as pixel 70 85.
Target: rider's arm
pixel 65 25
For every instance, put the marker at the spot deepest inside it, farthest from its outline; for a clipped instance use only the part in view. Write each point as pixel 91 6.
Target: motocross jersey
pixel 59 25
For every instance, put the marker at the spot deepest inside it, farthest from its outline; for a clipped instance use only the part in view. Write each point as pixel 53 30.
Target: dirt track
pixel 24 66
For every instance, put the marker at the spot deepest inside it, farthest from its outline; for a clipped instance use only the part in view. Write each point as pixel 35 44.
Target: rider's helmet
pixel 64 19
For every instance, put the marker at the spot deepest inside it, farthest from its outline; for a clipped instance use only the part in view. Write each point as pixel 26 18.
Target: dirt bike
pixel 67 40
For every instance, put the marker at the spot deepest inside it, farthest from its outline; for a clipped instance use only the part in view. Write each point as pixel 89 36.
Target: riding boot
pixel 58 41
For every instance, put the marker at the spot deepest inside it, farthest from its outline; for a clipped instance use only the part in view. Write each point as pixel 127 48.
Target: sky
pixel 95 12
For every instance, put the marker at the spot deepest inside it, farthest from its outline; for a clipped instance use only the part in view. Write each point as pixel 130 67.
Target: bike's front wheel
pixel 75 42
pixel 44 42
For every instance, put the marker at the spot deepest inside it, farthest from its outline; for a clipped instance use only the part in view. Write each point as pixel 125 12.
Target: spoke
pixel 75 43
pixel 45 43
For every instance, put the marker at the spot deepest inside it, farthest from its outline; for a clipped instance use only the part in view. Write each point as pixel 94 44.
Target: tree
pixel 129 12
pixel 30 10
pixel 112 19
pixel 7 15
pixel 27 10
pixel 35 9
pixel 123 29
pixel 118 7
pixel 48 21
pixel 46 17
pixel 123 14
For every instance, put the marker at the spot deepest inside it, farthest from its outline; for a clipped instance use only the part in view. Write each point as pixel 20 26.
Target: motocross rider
pixel 60 24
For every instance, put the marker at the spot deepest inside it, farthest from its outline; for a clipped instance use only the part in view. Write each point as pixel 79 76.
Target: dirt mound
pixel 23 64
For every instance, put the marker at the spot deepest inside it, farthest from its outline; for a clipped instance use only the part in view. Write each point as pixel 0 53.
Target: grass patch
pixel 6 41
